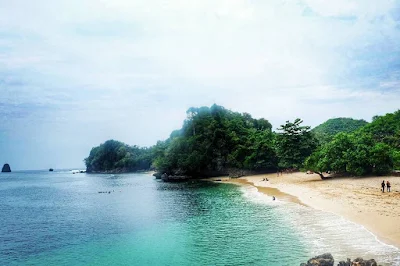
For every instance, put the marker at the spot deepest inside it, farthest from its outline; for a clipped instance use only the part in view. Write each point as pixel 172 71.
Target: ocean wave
pixel 323 231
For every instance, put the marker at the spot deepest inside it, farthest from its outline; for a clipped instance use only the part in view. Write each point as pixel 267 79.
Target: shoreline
pixel 357 199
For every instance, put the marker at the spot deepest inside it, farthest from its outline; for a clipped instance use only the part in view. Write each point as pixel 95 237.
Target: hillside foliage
pixel 213 140
pixel 116 156
pixel 372 149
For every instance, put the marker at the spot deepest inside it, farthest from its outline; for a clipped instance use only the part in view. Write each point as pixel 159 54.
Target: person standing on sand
pixel 383 186
pixel 387 186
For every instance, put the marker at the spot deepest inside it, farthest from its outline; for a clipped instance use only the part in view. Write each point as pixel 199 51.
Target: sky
pixel 74 73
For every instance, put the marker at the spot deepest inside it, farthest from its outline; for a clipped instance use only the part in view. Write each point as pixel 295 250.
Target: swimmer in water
pixel 273 197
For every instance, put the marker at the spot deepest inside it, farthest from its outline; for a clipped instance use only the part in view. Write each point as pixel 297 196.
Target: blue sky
pixel 76 73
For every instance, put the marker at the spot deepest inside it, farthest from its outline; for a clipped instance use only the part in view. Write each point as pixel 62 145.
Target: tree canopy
pixel 117 156
pixel 385 129
pixel 294 143
pixel 214 140
pixel 373 148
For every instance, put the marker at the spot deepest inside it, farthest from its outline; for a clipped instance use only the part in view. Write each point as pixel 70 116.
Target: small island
pixel 6 168
pixel 215 141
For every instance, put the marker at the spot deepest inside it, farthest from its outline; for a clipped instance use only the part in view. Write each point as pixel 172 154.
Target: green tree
pixel 356 154
pixel 381 158
pixel 396 159
pixel 385 129
pixel 358 157
pixel 293 144
pixel 331 156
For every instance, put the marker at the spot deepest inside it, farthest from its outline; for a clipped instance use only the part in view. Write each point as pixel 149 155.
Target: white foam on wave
pixel 251 193
pixel 323 231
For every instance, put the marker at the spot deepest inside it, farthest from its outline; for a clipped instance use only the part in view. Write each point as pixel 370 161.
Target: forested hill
pixel 211 141
pixel 115 156
pixel 372 149
pixel 327 130
pixel 214 139
pixel 217 141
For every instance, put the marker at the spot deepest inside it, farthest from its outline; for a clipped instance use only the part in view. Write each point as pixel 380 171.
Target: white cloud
pixel 351 7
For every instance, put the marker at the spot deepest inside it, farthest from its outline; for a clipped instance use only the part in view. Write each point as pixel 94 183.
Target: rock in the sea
pixel 6 168
pixel 361 262
pixel 51 170
pixel 321 260
pixel 157 175
pixel 345 263
pixel 174 178
pixel 327 260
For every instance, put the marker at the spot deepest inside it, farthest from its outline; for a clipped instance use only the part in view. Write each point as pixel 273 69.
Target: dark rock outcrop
pixel 174 178
pixel 157 175
pixel 327 260
pixel 321 260
pixel 6 168
pixel 51 170
pixel 361 262
pixel 113 171
pixel 345 263
pixel 180 174
pixel 164 176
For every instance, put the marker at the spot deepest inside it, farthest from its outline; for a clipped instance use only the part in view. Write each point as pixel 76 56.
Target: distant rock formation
pixel 174 178
pixel 327 260
pixel 79 171
pixel 157 175
pixel 51 170
pixel 6 168
pixel 321 260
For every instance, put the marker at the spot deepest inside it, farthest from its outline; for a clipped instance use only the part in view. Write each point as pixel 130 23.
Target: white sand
pixel 358 199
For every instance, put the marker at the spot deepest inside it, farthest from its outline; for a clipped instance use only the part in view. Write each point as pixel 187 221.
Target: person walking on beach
pixel 383 186
pixel 387 186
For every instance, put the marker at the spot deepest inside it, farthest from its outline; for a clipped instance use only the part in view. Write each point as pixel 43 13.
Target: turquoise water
pixel 57 218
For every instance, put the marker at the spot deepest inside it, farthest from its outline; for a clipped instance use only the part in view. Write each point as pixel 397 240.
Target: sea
pixel 61 218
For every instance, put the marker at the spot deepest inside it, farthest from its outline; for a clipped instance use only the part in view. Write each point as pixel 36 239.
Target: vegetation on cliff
pixel 374 148
pixel 214 141
pixel 115 156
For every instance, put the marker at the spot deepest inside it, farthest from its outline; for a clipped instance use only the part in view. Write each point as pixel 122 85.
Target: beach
pixel 358 199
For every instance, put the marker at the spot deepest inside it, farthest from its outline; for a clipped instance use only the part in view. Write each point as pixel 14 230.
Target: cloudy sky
pixel 74 73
